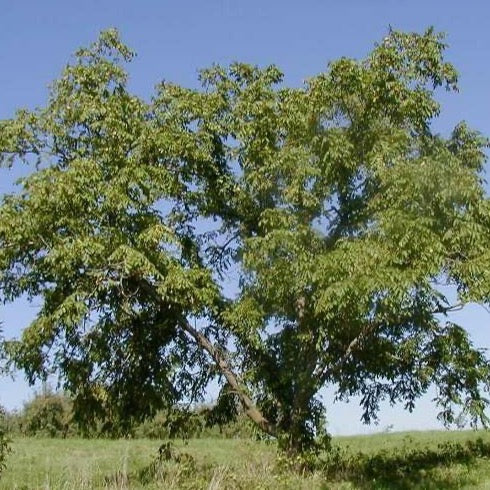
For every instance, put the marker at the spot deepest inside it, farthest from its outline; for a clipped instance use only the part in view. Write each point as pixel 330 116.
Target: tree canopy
pixel 337 208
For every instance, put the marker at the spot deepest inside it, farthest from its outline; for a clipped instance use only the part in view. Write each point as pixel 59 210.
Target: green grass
pixel 438 460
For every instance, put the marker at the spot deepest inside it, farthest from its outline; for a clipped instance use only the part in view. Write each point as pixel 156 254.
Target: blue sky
pixel 174 39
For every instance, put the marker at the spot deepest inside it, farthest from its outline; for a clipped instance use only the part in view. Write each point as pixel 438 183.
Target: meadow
pixel 425 460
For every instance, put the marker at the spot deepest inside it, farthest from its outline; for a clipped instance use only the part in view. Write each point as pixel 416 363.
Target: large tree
pixel 334 208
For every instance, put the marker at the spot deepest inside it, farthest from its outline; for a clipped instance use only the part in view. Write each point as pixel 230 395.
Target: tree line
pixel 50 414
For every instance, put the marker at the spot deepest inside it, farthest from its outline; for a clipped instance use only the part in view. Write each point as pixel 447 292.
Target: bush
pixel 199 422
pixel 171 424
pixel 47 414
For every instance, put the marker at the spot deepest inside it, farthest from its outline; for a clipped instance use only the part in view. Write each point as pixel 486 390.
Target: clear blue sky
pixel 174 39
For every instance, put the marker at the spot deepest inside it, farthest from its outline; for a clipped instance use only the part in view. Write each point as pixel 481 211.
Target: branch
pixel 449 309
pixel 225 368
pixel 217 251
pixel 223 365
pixel 325 372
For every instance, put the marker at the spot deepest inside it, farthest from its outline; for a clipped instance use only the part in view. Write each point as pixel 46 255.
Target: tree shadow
pixel 426 468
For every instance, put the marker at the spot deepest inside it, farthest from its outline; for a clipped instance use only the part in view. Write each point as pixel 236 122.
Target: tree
pixel 335 204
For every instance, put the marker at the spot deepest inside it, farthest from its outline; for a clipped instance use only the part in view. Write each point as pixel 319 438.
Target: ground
pixel 438 460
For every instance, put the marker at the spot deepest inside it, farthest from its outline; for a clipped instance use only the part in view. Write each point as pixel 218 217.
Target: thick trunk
pixel 298 435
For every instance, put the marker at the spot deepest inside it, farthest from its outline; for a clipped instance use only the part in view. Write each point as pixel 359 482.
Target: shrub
pixel 47 414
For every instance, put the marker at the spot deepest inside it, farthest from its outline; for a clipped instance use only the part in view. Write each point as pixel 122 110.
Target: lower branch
pixel 250 408
pixel 223 365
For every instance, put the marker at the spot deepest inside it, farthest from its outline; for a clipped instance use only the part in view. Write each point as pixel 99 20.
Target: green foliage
pixel 199 423
pixel 166 453
pixel 48 414
pixel 174 423
pixel 339 208
pixel 407 467
pixel 5 441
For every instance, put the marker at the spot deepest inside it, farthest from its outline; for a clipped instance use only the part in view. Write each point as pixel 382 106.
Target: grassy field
pixel 439 460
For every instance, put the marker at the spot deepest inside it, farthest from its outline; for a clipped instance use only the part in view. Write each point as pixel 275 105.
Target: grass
pixel 422 460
